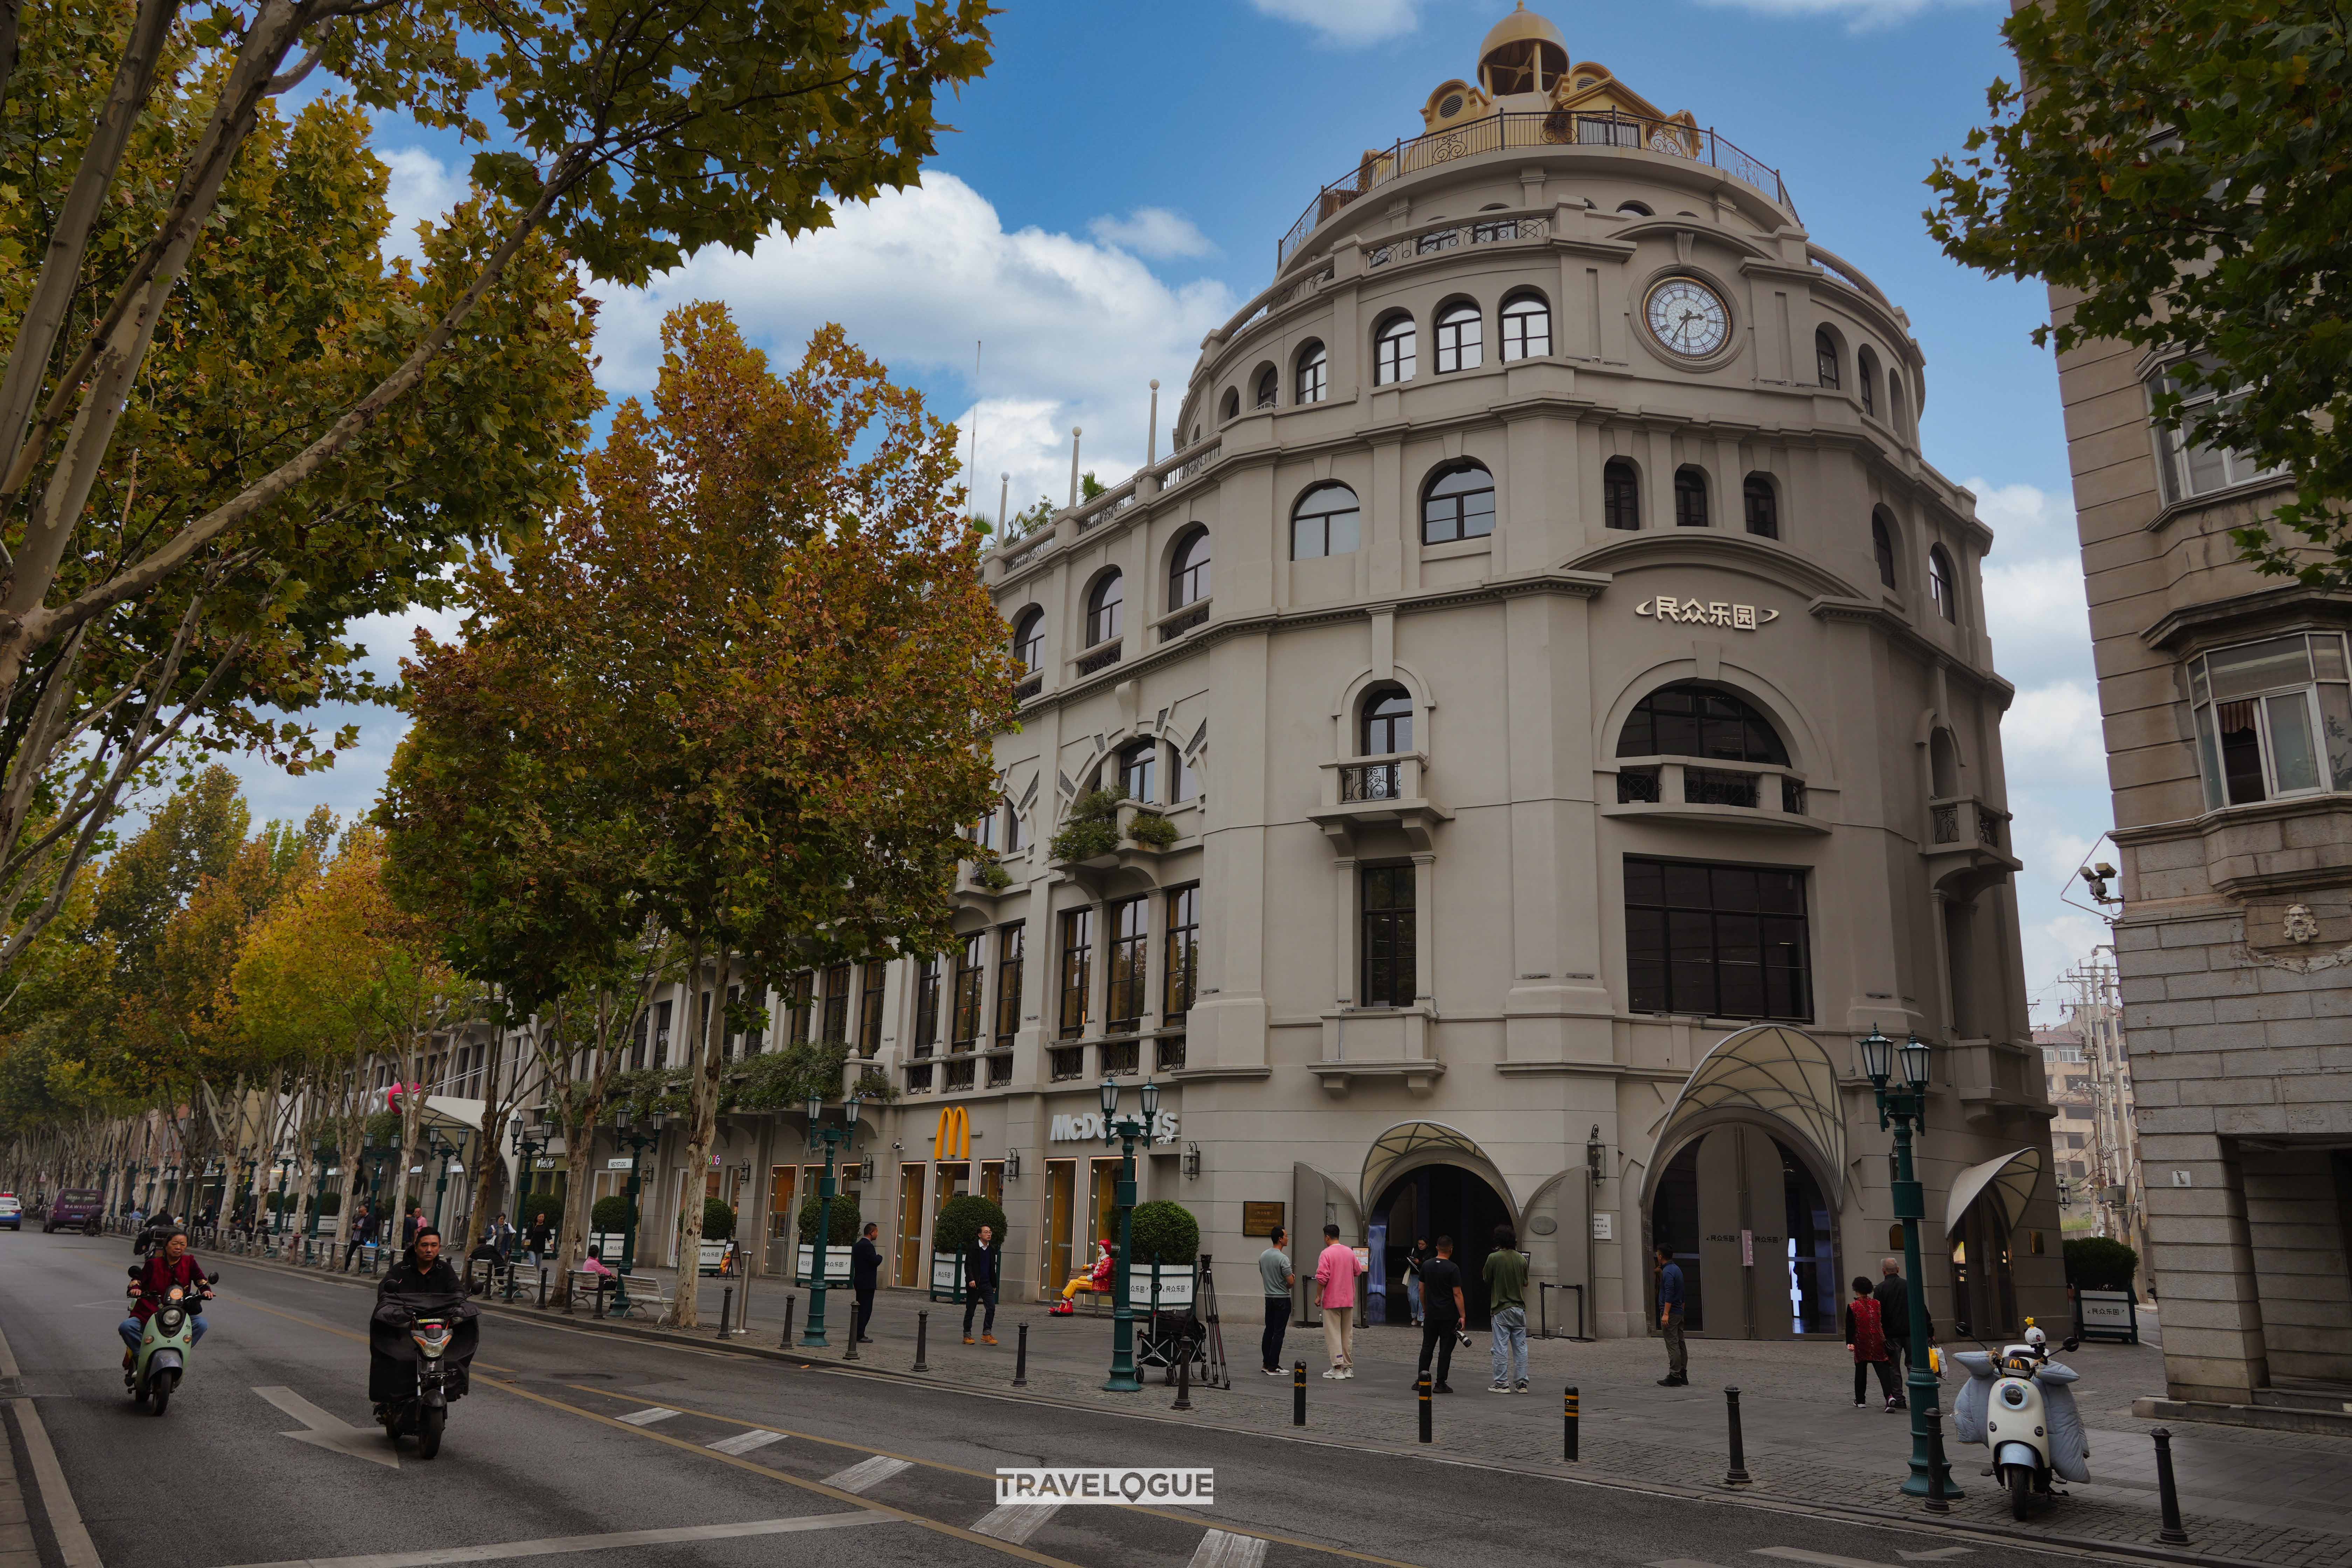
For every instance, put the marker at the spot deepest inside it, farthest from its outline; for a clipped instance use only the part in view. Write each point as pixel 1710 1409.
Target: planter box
pixel 836 1266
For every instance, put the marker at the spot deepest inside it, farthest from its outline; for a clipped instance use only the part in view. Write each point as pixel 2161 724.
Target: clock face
pixel 1688 317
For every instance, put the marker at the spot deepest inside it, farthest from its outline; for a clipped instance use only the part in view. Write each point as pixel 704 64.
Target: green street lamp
pixel 439 1148
pixel 530 1143
pixel 1122 1315
pixel 285 1163
pixel 321 1153
pixel 153 1171
pixel 639 1139
pixel 1904 1105
pixel 832 1138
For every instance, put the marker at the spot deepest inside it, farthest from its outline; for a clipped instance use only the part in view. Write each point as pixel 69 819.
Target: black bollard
pixel 922 1341
pixel 1935 1502
pixel 543 1285
pixel 1421 1396
pixel 2166 1493
pixel 1183 1381
pixel 1021 1360
pixel 791 1303
pixel 1737 1476
pixel 1299 1394
pixel 1567 1424
pixel 726 1306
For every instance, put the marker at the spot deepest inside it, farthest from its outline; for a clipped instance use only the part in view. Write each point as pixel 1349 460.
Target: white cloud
pixel 2040 620
pixel 2051 947
pixel 1347 22
pixel 2026 520
pixel 1861 15
pixel 1073 330
pixel 1153 232
pixel 423 189
pixel 2051 737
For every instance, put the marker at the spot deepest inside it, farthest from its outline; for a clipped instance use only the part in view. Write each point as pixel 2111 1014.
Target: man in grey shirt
pixel 1274 1270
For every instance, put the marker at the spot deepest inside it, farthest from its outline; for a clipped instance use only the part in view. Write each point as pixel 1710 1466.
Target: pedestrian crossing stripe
pixel 1015 1521
pixel 1223 1549
pixel 866 1473
pixel 646 1417
pixel 745 1442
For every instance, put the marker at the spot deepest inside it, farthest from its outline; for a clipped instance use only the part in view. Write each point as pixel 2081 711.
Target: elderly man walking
pixel 1893 1298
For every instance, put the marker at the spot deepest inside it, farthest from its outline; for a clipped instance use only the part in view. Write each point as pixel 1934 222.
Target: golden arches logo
pixel 953 1139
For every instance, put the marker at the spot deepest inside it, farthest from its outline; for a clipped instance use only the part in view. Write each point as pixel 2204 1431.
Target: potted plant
pixel 1090 831
pixel 1152 830
pixel 958 1227
pixel 1166 1240
pixel 843 1224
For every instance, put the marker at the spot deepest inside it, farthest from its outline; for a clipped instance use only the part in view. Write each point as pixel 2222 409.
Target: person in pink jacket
pixel 1335 1283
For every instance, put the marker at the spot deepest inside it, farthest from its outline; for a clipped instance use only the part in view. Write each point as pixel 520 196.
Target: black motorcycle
pixel 435 1336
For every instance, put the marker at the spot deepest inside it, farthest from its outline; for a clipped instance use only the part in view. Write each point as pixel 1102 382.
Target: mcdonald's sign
pixel 953 1139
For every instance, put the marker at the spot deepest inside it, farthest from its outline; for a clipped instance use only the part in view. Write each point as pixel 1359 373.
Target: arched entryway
pixel 1981 1220
pixel 1431 1201
pixel 1746 1219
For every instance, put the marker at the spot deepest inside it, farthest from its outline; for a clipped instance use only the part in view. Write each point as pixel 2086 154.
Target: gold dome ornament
pixel 1523 53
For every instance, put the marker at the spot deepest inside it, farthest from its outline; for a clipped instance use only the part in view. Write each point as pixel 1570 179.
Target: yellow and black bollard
pixel 1567 1424
pixel 1420 1389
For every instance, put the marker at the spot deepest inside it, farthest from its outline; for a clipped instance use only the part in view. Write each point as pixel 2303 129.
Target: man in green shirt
pixel 1273 1274
pixel 1506 1306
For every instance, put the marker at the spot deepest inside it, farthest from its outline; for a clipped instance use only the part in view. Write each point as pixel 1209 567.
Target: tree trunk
pixel 702 1122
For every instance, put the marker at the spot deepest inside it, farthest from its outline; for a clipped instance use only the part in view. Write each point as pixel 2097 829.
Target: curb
pixel 1776 1502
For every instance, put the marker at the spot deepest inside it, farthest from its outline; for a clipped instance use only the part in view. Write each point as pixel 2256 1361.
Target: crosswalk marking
pixel 1936 1556
pixel 1015 1521
pixel 1822 1559
pixel 1223 1549
pixel 745 1442
pixel 866 1473
pixel 648 1416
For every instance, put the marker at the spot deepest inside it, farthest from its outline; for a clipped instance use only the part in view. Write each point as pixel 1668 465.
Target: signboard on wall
pixel 1086 1127
pixel 1261 1219
pixel 1604 1227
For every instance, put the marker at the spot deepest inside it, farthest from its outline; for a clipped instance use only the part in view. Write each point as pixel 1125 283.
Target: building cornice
pixel 2192 627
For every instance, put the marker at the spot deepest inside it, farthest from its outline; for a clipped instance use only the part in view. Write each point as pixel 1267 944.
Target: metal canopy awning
pixel 1776 1071
pixel 1409 1144
pixel 2012 1180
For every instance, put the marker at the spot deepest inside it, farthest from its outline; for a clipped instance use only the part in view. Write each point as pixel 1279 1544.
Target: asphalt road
pixel 541 1463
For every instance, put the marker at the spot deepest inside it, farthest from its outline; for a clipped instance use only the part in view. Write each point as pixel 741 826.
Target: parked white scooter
pixel 2020 1404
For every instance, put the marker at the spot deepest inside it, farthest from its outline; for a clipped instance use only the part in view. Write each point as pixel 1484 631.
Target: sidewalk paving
pixel 2253 1496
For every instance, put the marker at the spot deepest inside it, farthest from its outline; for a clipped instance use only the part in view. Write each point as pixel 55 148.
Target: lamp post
pixel 321 1153
pixel 639 1140
pixel 530 1143
pixel 1122 1316
pixel 285 1163
pixel 832 1138
pixel 1905 1106
pixel 439 1148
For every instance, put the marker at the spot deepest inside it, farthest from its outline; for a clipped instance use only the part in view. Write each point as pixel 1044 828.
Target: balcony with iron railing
pixel 1967 845
pixel 1020 553
pixel 1529 130
pixel 1717 790
pixel 1387 791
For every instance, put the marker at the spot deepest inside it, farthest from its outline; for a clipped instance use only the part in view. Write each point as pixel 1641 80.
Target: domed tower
pixel 1548 709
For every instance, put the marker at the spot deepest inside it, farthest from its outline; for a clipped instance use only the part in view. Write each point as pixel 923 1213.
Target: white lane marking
pixel 866 1473
pixel 1222 1549
pixel 1015 1521
pixel 1678 1563
pixel 322 1430
pixel 1799 1555
pixel 1936 1556
pixel 745 1442
pixel 73 1544
pixel 646 1416
pixel 557 1546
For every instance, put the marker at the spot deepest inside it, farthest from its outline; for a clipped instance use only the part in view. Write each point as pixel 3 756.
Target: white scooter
pixel 2020 1404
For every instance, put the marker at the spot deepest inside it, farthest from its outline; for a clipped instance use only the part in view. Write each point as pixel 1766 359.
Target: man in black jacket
pixel 1893 1298
pixel 421 1281
pixel 865 1278
pixel 980 1278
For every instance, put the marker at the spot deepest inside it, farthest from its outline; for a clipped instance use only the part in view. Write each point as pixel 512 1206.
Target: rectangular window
pixel 970 971
pixel 836 1004
pixel 1077 965
pixel 929 974
pixel 1137 774
pixel 875 973
pixel 1010 949
pixel 2273 719
pixel 1183 954
pixel 1130 961
pixel 2189 467
pixel 1718 942
pixel 1012 828
pixel 661 1033
pixel 1388 915
pixel 800 993
pixel 1621 496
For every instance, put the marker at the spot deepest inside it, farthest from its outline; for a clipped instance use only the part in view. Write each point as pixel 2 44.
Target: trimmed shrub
pixel 333 1204
pixel 846 1222
pixel 2099 1263
pixel 528 1208
pixel 1152 830
pixel 610 1216
pixel 960 1220
pixel 1165 1233
pixel 717 1220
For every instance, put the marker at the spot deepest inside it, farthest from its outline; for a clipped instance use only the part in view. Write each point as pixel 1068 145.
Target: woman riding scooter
pixel 169 1265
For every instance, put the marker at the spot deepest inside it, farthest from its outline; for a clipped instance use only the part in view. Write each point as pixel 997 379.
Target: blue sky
pixel 1116 184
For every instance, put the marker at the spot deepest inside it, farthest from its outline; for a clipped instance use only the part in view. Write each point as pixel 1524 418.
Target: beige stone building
pixel 1552 659
pixel 2228 712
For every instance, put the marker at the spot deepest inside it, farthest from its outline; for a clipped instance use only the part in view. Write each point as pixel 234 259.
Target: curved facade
pixel 1552 656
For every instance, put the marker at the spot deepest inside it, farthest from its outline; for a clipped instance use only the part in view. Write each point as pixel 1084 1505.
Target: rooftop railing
pixel 1554 128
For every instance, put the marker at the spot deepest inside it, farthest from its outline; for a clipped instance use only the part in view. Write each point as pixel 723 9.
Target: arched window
pixel 1865 375
pixel 1526 327
pixel 1882 544
pixel 1941 586
pixel 1231 406
pixel 1458 504
pixel 1103 604
pixel 1632 209
pixel 1460 338
pixel 1387 721
pixel 1621 495
pixel 1825 358
pixel 1188 570
pixel 1314 369
pixel 1689 720
pixel 1269 387
pixel 1690 497
pixel 1029 641
pixel 1895 403
pixel 1763 506
pixel 1393 352
pixel 1943 764
pixel 1324 522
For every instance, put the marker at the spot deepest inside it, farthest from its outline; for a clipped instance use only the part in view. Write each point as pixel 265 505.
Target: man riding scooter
pixel 167 1266
pixel 421 1285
